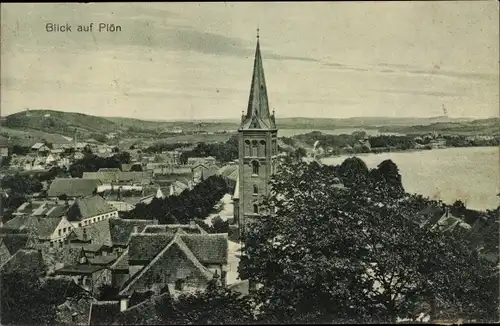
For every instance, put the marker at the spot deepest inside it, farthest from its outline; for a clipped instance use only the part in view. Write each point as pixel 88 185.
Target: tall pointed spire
pixel 258 115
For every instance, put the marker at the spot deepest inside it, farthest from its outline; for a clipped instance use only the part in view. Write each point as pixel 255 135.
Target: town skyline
pixel 196 60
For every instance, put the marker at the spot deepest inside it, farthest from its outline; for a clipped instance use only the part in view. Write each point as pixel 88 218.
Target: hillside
pixel 483 126
pixel 49 125
pixel 63 123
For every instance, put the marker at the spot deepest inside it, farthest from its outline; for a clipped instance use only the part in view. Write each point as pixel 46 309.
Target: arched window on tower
pixel 254 148
pixel 255 209
pixel 262 148
pixel 255 189
pixel 255 167
pixel 247 148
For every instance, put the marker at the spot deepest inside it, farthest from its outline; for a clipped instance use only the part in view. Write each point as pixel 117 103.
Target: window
pixel 59 232
pixel 247 148
pixel 255 189
pixel 60 244
pixel 255 209
pixel 52 244
pixel 262 148
pixel 64 230
pixel 79 225
pixel 255 167
pixel 254 148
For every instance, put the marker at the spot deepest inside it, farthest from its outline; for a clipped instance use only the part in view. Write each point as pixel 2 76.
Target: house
pixel 88 210
pixel 50 159
pixel 110 236
pixel 180 260
pixel 25 261
pixel 448 223
pixel 89 277
pixel 177 187
pixel 203 171
pixel 4 151
pixel 104 312
pixel 201 160
pixel 52 230
pixel 10 244
pixel 230 174
pixel 40 148
pixel 114 177
pixel 73 187
pixel 79 147
pixel 131 167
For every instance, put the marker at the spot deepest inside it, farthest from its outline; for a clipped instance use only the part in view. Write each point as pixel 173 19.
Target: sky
pixel 194 60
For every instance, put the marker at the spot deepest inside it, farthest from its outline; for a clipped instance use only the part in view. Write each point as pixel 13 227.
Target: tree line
pixel 196 203
pixel 92 163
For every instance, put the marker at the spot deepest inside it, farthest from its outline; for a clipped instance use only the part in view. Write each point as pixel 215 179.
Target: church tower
pixel 258 147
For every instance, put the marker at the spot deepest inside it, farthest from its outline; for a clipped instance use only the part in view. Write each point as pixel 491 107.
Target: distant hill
pixel 37 125
pixel 489 126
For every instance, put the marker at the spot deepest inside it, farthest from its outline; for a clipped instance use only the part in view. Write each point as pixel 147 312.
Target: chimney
pixel 447 211
pixel 136 229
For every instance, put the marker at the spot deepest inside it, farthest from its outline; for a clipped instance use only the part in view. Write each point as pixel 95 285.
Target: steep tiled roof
pixel 80 269
pixel 87 207
pixel 14 242
pixel 144 313
pixel 229 171
pixel 121 229
pixel 42 226
pixel 121 262
pixel 208 248
pixel 102 260
pixel 72 187
pixel 27 260
pixel 4 252
pixel 143 177
pixel 98 233
pixel 148 271
pixel 64 256
pixel 104 312
pixel 187 228
pixel 145 246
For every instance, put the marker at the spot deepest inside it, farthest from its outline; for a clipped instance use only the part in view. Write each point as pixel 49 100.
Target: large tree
pixel 354 253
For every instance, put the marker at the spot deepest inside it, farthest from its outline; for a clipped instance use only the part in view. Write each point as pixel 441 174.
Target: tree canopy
pixel 355 253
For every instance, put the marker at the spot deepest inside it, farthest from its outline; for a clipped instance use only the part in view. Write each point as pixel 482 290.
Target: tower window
pixel 255 189
pixel 255 209
pixel 254 148
pixel 255 167
pixel 262 148
pixel 247 147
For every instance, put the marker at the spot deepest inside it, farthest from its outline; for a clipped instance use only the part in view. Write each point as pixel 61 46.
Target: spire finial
pixel 257 33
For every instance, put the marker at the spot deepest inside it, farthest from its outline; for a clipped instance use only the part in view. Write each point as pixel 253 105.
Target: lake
pixel 347 131
pixel 471 174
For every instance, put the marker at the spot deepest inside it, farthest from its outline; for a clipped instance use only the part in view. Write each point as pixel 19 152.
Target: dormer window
pixel 255 189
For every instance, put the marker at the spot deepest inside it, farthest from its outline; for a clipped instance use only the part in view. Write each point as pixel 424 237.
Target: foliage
pixel 24 300
pixel 190 204
pixel 5 161
pixel 224 152
pixel 107 292
pixel 322 255
pixel 20 150
pixel 92 163
pixel 216 305
pixel 21 184
pixel 218 225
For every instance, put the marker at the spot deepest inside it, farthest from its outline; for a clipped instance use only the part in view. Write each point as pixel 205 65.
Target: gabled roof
pixel 72 187
pixel 121 229
pixel 122 261
pixel 172 228
pixel 229 171
pixel 14 242
pixel 258 115
pixel 87 207
pixel 43 227
pixel 98 233
pixel 145 275
pixel 79 269
pixel 28 260
pixel 102 260
pixel 145 246
pixel 208 248
pixel 104 312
